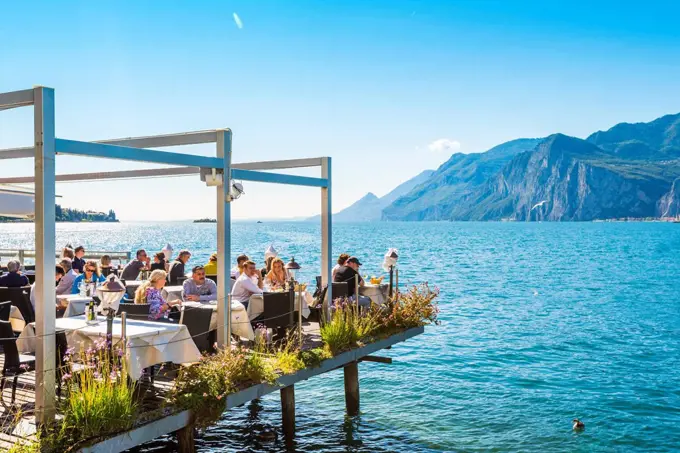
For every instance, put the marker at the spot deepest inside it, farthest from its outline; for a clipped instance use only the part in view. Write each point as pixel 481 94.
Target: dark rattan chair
pixel 197 320
pixel 279 311
pixel 15 364
pixel 135 311
pixel 21 298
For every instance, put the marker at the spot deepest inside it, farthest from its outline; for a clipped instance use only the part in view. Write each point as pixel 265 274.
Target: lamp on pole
pixel 292 267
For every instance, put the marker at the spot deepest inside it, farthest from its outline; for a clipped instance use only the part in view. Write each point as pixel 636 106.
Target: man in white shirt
pixel 237 270
pixel 245 285
pixel 66 283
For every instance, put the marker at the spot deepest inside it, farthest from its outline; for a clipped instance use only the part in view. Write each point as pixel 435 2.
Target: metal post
pixel 224 241
pixel 396 285
pixel 44 255
pixel 299 314
pixel 391 280
pixel 326 235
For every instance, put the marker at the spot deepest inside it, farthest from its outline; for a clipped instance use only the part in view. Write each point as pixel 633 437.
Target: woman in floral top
pixel 149 292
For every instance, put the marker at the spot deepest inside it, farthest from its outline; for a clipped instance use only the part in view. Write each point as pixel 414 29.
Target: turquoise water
pixel 542 323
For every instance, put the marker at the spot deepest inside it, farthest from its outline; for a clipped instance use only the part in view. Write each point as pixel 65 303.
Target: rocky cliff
pixel 631 170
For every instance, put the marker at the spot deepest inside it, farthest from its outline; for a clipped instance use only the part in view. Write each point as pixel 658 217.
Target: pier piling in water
pixel 185 439
pixel 288 411
pixel 352 388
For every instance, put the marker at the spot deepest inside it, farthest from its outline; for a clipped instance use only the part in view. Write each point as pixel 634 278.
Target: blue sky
pixel 373 84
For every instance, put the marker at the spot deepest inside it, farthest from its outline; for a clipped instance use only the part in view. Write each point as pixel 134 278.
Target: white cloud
pixel 444 144
pixel 237 19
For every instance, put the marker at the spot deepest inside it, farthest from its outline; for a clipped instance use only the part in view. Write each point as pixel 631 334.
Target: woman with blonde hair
pixel 277 276
pixel 149 292
pixel 90 276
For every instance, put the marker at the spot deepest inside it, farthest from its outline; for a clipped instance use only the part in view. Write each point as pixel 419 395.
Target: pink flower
pixel 205 395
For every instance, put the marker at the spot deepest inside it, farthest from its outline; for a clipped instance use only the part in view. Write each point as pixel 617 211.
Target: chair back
pixel 319 288
pixel 29 267
pixel 135 311
pixel 197 320
pixel 106 271
pixel 278 309
pixel 20 298
pixel 212 277
pixel 7 340
pixel 340 290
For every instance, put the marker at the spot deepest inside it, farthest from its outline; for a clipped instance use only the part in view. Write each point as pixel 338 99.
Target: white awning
pixel 16 202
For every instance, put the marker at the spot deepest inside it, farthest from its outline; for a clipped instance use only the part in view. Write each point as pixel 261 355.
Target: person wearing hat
pixel 347 274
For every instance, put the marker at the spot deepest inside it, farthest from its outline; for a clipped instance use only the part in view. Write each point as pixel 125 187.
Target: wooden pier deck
pixel 153 396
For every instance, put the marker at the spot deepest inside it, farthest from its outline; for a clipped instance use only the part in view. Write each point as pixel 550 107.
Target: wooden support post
pixel 352 388
pixel 185 439
pixel 288 411
pixel 376 358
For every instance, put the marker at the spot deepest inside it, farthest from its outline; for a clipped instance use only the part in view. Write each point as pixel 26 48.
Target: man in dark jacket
pixel 13 279
pixel 348 274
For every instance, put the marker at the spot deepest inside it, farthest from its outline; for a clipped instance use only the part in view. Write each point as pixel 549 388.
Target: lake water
pixel 542 323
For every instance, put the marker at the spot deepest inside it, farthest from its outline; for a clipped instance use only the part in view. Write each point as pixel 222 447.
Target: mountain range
pixel 630 170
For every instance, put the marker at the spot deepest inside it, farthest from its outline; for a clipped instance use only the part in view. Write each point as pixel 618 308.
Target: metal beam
pixel 277 178
pixel 45 295
pixel 326 235
pixel 279 164
pixel 224 243
pixel 109 175
pixel 14 99
pixel 135 154
pixel 161 141
pixel 155 141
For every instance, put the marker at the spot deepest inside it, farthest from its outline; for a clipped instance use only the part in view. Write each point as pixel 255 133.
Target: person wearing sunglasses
pixel 90 275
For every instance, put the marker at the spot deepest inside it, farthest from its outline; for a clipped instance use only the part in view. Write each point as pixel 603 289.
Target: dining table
pixel 148 343
pixel 379 293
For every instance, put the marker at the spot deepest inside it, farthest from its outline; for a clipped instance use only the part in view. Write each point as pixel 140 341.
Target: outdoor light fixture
pixel 109 294
pixel 292 267
pixel 389 263
pixel 236 191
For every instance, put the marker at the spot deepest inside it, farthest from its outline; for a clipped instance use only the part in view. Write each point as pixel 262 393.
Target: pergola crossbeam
pixel 278 178
pixel 90 149
pixel 15 99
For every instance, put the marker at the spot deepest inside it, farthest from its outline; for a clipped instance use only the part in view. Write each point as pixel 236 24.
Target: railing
pixel 22 254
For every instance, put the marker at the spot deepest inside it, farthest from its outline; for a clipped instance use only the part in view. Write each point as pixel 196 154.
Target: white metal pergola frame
pixel 47 147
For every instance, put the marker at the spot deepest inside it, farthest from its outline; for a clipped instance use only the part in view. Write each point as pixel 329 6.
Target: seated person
pixel 159 263
pixel 238 269
pixel 150 292
pixel 67 252
pixel 244 287
pixel 342 259
pixel 13 278
pixel 211 267
pixel 78 262
pixel 198 288
pixel 65 285
pixel 90 275
pixel 58 273
pixel 134 267
pixel 277 276
pixel 177 267
pixel 348 273
pixel 105 263
pixel 267 266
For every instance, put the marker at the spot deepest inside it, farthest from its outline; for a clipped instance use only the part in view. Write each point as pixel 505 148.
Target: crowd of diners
pixel 72 271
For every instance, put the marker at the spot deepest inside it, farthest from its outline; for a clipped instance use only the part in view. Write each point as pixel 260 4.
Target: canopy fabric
pixel 16 202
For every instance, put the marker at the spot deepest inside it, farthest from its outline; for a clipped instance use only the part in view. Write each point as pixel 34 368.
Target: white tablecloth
pixel 77 304
pixel 377 293
pixel 256 304
pixel 149 343
pixel 240 324
pixel 172 293
pixel 16 319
